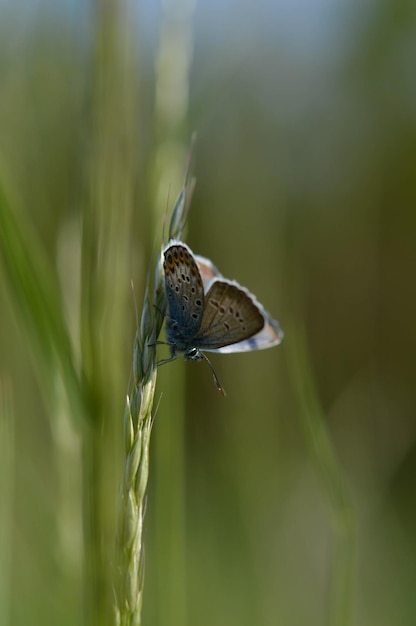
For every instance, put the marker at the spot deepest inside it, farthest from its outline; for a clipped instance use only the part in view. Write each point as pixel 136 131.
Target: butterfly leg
pixel 171 358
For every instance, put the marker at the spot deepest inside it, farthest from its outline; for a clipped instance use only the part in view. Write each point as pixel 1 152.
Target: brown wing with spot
pixel 229 316
pixel 184 290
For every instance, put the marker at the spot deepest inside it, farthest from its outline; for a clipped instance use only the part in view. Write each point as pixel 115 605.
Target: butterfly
pixel 209 313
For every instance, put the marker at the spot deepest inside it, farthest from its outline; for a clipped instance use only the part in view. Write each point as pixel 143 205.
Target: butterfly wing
pixel 230 316
pixel 185 295
pixel 211 327
pixel 270 335
pixel 207 269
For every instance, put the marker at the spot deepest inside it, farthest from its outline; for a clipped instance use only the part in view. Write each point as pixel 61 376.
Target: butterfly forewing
pixel 229 316
pixel 184 290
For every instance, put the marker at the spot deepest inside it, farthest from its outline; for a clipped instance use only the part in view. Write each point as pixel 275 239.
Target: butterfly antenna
pixel 216 381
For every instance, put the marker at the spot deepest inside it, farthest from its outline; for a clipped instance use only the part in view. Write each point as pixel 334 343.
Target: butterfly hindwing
pixel 230 315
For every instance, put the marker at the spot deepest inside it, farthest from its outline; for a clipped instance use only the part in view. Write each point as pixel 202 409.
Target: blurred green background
pixel 291 501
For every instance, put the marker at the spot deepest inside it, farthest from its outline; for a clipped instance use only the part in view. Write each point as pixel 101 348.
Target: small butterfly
pixel 209 313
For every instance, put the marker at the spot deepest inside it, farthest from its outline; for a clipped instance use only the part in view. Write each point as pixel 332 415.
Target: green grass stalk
pixel 329 471
pixel 7 460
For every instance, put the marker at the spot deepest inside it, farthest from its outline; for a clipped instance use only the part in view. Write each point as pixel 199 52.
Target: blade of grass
pixel 35 293
pixel 7 499
pixel 172 71
pixel 326 463
pixel 105 280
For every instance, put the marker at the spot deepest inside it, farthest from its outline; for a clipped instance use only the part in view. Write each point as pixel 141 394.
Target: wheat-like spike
pixel 138 420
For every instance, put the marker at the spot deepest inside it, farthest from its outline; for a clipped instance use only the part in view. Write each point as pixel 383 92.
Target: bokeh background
pixel 292 500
